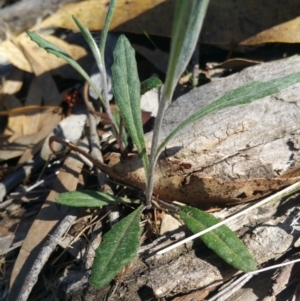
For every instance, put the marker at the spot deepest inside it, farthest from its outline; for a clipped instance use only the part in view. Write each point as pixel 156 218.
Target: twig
pixel 44 255
pixel 287 191
pixel 236 285
pixel 232 288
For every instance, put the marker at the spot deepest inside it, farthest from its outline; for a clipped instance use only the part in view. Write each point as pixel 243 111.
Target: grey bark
pixel 235 155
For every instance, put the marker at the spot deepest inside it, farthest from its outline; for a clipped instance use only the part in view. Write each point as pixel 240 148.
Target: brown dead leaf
pixel 14 82
pixel 50 122
pixel 51 95
pixel 27 121
pixel 16 56
pixel 27 126
pixel 129 16
pixel 176 181
pixel 249 22
pixel 235 64
pixel 14 149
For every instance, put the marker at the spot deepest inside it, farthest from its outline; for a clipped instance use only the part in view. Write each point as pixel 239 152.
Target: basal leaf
pixel 222 240
pixel 53 49
pixel 149 84
pixel 242 95
pixel 126 88
pixel 118 248
pixel 89 198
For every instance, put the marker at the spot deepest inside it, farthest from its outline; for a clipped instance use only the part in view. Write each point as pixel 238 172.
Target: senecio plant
pixel 121 243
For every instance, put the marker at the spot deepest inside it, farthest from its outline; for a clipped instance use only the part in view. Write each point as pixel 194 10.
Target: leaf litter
pixel 21 128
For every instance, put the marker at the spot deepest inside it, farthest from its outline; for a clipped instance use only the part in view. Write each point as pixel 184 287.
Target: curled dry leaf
pixel 175 182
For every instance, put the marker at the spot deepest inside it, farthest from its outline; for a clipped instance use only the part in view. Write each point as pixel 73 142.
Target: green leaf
pixel 188 20
pixel 222 240
pixel 60 53
pixel 149 84
pixel 126 88
pixel 89 198
pixel 91 42
pixel 242 95
pixel 119 247
pixel 104 31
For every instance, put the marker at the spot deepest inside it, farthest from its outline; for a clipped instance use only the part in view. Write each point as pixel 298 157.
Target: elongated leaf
pixel 149 84
pixel 188 20
pixel 53 49
pixel 91 42
pixel 118 248
pixel 242 95
pixel 89 198
pixel 104 31
pixel 126 87
pixel 222 240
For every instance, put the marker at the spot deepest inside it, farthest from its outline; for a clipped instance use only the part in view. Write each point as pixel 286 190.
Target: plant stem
pixel 102 68
pixel 100 61
pixel 154 145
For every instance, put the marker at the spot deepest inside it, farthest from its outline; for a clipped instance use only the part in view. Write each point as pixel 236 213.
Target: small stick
pixel 233 287
pixel 44 255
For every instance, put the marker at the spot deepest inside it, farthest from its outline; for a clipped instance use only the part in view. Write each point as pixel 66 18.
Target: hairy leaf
pixel 91 42
pixel 53 49
pixel 126 88
pixel 188 20
pixel 242 95
pixel 222 240
pixel 118 248
pixel 107 22
pixel 149 84
pixel 89 198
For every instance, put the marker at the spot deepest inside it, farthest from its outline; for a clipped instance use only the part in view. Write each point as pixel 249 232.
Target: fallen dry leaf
pixel 51 95
pixel 16 56
pixel 13 83
pixel 176 181
pixel 27 126
pixel 129 16
pixel 250 22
